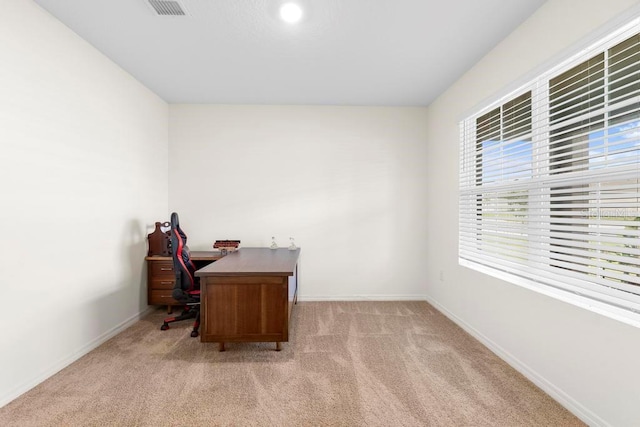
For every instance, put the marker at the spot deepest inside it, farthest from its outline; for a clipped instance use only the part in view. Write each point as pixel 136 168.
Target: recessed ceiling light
pixel 290 12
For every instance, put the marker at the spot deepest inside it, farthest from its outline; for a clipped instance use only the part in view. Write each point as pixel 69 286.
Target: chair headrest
pixel 175 221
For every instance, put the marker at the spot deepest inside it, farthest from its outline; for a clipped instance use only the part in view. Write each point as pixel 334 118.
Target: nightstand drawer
pixel 161 269
pixel 161 297
pixel 162 283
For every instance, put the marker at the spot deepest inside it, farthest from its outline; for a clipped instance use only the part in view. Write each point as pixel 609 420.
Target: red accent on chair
pixel 186 289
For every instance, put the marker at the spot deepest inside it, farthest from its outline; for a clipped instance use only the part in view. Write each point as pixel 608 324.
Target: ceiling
pixel 342 52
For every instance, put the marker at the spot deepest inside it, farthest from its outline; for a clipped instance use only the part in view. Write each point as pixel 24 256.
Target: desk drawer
pixel 161 269
pixel 162 283
pixel 161 298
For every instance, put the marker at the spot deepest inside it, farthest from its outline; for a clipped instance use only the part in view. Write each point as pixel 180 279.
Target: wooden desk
pixel 161 278
pixel 248 296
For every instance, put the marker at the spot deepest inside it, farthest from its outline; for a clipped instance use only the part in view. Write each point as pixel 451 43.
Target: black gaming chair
pixel 187 288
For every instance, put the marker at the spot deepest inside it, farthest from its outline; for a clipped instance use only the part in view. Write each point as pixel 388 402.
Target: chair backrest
pixel 182 264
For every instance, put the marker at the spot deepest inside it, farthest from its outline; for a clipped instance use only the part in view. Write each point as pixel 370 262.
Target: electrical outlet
pixel 441 276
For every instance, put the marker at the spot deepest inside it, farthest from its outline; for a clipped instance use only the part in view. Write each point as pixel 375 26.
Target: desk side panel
pixel 293 290
pixel 252 308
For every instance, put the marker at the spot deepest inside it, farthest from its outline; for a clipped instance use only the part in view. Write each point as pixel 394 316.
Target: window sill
pixel 614 308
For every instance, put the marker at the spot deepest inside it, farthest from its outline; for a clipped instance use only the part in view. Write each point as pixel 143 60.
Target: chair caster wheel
pixel 164 327
pixel 194 334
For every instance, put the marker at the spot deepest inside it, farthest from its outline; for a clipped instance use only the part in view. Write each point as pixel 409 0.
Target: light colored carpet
pixel 346 364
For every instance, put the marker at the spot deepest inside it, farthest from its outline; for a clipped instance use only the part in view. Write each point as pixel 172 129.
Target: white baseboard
pixel 364 298
pixel 63 363
pixel 548 387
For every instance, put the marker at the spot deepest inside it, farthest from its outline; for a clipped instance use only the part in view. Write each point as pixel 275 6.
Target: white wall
pixel 83 172
pixel 348 183
pixel 588 362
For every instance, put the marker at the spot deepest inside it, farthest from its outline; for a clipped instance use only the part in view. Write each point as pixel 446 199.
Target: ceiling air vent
pixel 167 7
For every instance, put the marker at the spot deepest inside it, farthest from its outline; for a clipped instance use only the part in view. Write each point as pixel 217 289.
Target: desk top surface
pixel 262 261
pixel 195 255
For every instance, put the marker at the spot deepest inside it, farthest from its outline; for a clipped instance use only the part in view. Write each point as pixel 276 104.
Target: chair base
pixel 187 313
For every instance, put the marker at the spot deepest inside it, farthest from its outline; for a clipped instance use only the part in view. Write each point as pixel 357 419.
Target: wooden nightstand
pixel 161 276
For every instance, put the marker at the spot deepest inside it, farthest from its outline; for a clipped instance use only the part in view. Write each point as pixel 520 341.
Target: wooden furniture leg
pixel 220 346
pixel 169 309
pixel 278 346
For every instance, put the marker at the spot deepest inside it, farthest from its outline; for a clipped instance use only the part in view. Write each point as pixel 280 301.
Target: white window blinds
pixel 550 177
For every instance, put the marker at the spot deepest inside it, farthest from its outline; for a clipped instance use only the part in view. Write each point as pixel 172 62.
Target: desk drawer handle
pixel 166 268
pixel 166 283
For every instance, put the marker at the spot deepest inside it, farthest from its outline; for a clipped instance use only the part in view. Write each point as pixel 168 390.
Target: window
pixel 550 179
